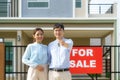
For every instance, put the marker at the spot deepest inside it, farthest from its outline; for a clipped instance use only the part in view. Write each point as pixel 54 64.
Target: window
pixel 95 41
pixel 38 3
pixel 9 57
pixel 5 8
pixel 78 3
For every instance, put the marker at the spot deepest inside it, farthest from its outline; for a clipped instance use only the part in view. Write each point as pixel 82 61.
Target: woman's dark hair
pixel 58 25
pixel 37 29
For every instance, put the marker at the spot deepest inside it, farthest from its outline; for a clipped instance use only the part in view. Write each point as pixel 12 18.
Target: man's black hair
pixel 58 25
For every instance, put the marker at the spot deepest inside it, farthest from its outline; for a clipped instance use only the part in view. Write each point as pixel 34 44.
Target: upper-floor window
pixel 38 3
pixel 78 3
pixel 5 8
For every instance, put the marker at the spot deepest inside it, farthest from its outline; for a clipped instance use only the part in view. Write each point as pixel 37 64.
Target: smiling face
pixel 58 33
pixel 38 36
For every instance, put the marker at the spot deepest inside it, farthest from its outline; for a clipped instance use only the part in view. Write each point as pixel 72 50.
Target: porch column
pixel 19 37
pixel 118 39
pixel 113 56
pixel 18 53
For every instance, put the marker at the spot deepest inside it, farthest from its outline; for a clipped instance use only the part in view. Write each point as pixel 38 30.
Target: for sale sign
pixel 86 60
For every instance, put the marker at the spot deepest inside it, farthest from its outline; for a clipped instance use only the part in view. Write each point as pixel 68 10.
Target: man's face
pixel 58 33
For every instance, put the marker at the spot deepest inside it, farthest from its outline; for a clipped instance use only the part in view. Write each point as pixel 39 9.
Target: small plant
pixel 108 74
pixel 94 76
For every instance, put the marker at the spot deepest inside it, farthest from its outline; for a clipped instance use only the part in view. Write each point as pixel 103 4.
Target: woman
pixel 35 57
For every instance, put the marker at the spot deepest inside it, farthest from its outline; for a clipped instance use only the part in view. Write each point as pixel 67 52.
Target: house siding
pixel 57 8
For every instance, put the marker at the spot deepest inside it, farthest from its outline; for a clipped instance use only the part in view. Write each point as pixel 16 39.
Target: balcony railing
pixel 100 8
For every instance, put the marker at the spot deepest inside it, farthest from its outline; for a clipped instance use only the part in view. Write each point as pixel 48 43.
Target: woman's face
pixel 38 36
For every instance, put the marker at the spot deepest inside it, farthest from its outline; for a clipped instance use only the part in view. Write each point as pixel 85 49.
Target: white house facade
pixel 85 23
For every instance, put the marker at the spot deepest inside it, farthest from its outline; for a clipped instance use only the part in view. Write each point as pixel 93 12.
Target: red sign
pixel 86 60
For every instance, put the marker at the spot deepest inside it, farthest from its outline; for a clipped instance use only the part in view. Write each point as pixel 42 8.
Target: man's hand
pixel 63 43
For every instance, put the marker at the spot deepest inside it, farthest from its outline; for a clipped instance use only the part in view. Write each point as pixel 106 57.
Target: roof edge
pixel 55 20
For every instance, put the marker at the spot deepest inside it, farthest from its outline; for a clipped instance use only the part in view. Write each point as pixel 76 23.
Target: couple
pixel 56 55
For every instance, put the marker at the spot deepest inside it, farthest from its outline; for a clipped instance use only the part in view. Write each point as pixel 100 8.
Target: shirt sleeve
pixel 70 44
pixel 26 58
pixel 49 56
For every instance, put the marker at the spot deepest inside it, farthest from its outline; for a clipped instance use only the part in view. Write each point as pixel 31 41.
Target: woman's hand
pixel 40 68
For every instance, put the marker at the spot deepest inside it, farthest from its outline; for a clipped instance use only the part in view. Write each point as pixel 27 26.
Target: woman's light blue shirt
pixel 35 54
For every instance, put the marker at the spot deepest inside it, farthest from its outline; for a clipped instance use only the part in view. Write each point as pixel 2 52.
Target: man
pixel 59 55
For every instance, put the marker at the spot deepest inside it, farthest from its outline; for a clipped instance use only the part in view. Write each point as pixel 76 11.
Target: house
pixel 86 23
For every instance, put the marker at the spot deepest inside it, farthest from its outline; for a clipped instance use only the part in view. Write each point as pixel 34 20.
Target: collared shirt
pixel 35 54
pixel 59 56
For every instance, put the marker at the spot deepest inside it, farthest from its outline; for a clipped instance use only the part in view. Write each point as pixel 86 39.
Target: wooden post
pixel 2 61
